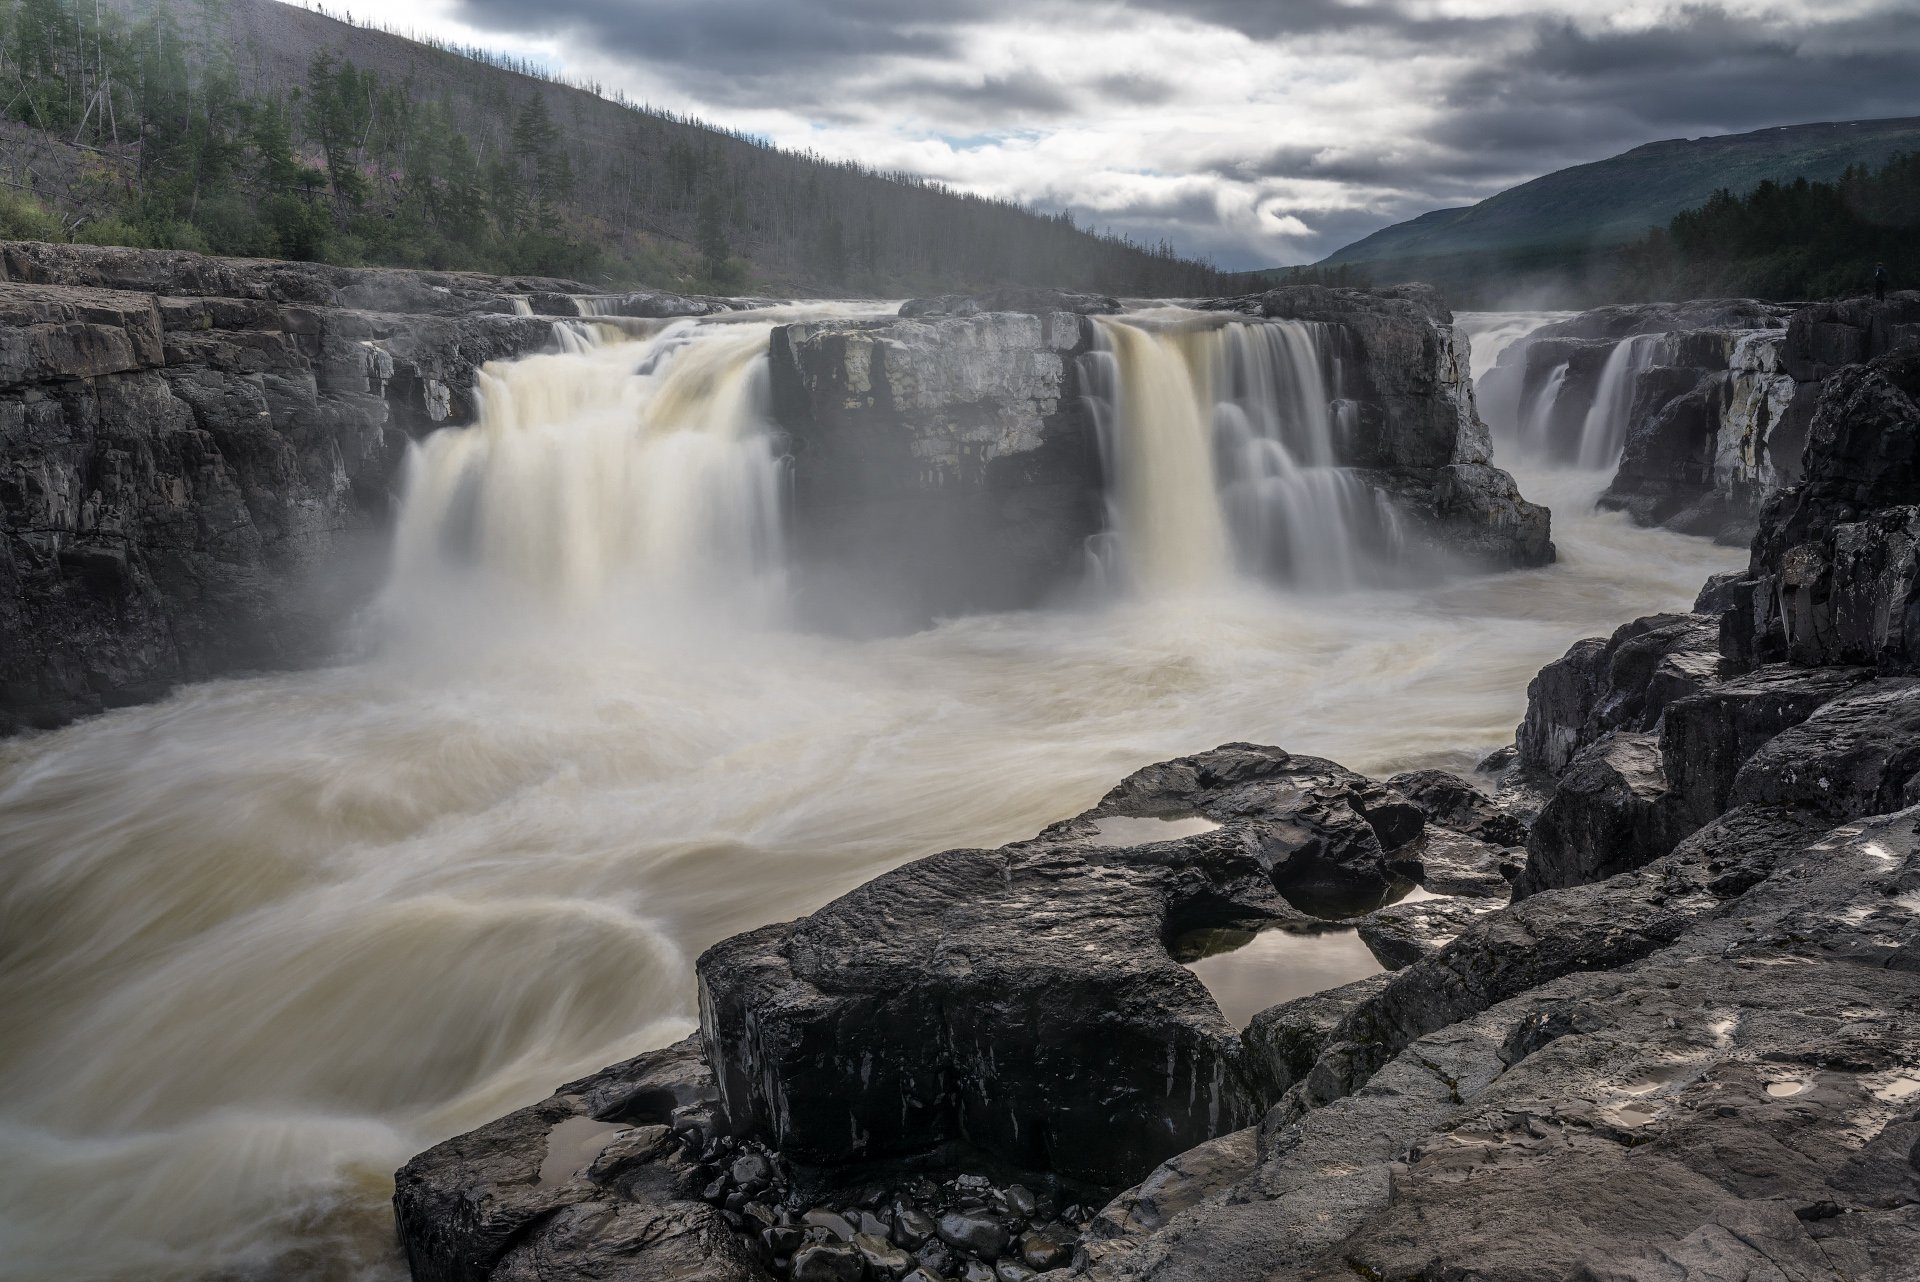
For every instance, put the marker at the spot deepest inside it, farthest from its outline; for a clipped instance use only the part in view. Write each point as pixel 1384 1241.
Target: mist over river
pixel 265 940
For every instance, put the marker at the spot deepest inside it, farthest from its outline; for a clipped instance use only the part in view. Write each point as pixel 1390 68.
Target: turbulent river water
pixel 268 938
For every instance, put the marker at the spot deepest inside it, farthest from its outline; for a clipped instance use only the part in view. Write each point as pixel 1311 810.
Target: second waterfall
pixel 1221 441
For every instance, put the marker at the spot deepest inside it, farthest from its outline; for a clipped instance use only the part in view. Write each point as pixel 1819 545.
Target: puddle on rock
pixel 1141 830
pixel 1905 1082
pixel 1248 970
pixel 1786 1090
pixel 573 1145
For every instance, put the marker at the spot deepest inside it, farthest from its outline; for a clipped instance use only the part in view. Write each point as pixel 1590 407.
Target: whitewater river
pixel 265 940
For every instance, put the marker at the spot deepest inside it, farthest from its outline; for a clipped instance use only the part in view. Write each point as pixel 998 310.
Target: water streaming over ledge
pixel 268 938
pixel 1220 437
pixel 617 468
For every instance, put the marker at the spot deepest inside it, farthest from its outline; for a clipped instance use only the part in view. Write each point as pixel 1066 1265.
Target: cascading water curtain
pixel 610 472
pixel 1221 446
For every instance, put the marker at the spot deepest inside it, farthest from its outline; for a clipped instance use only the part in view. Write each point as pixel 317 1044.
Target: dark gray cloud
pixel 758 39
pixel 1017 94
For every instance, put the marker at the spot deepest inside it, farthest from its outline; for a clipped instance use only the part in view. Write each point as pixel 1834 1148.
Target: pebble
pixel 751 1171
pixel 884 1258
pixel 1045 1248
pixel 975 1232
pixel 911 1227
pixel 835 1225
pixel 963 1229
pixel 828 1262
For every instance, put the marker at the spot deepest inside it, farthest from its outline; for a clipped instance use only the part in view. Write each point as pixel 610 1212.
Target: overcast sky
pixel 1259 132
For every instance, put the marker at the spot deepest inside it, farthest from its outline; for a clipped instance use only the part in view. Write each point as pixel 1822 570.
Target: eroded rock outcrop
pixel 1708 405
pixel 1023 1001
pixel 941 464
pixel 1409 422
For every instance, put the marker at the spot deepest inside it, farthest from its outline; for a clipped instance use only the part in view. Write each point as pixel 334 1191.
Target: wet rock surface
pixel 198 456
pixel 1414 428
pixel 1025 999
pixel 1688 1049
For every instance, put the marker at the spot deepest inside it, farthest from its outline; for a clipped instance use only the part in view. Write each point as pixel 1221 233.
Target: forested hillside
pixel 1798 240
pixel 253 128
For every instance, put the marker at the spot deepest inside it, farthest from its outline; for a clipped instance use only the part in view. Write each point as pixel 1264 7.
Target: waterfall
pixel 1536 419
pixel 1221 444
pixel 1604 432
pixel 611 469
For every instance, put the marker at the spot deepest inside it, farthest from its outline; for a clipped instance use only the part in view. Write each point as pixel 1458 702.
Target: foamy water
pixel 267 939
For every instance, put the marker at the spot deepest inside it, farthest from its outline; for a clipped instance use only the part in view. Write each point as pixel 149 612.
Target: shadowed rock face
pixel 941 464
pixel 198 455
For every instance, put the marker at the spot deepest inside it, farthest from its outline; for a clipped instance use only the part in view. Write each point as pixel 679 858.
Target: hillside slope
pixel 253 128
pixel 1614 201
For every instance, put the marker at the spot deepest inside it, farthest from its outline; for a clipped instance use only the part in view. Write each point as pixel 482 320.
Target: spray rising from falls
pixel 612 469
pixel 1220 438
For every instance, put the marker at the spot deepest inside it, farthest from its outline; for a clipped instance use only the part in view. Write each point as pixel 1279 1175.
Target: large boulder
pixel 1025 998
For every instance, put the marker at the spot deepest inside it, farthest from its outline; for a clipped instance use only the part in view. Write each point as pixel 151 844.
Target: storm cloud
pixel 1253 131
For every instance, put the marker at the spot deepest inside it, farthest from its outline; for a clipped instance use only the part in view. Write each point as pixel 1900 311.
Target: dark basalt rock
pixel 1024 999
pixel 1623 683
pixel 1697 1112
pixel 595 1175
pixel 1455 804
pixel 1631 797
pixel 1832 573
pixel 1401 934
pixel 1451 863
pixel 199 455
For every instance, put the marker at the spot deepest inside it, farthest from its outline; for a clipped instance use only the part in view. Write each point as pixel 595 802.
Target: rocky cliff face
pixel 1411 424
pixel 1711 401
pixel 1688 1048
pixel 191 450
pixel 942 462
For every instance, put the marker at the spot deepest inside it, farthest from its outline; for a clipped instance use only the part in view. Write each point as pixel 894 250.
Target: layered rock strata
pixel 198 455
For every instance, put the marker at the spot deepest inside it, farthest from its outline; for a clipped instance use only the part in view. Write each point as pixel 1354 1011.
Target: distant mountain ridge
pixel 1614 201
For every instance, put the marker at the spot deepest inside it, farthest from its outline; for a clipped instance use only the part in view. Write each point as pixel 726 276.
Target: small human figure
pixel 1880 279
